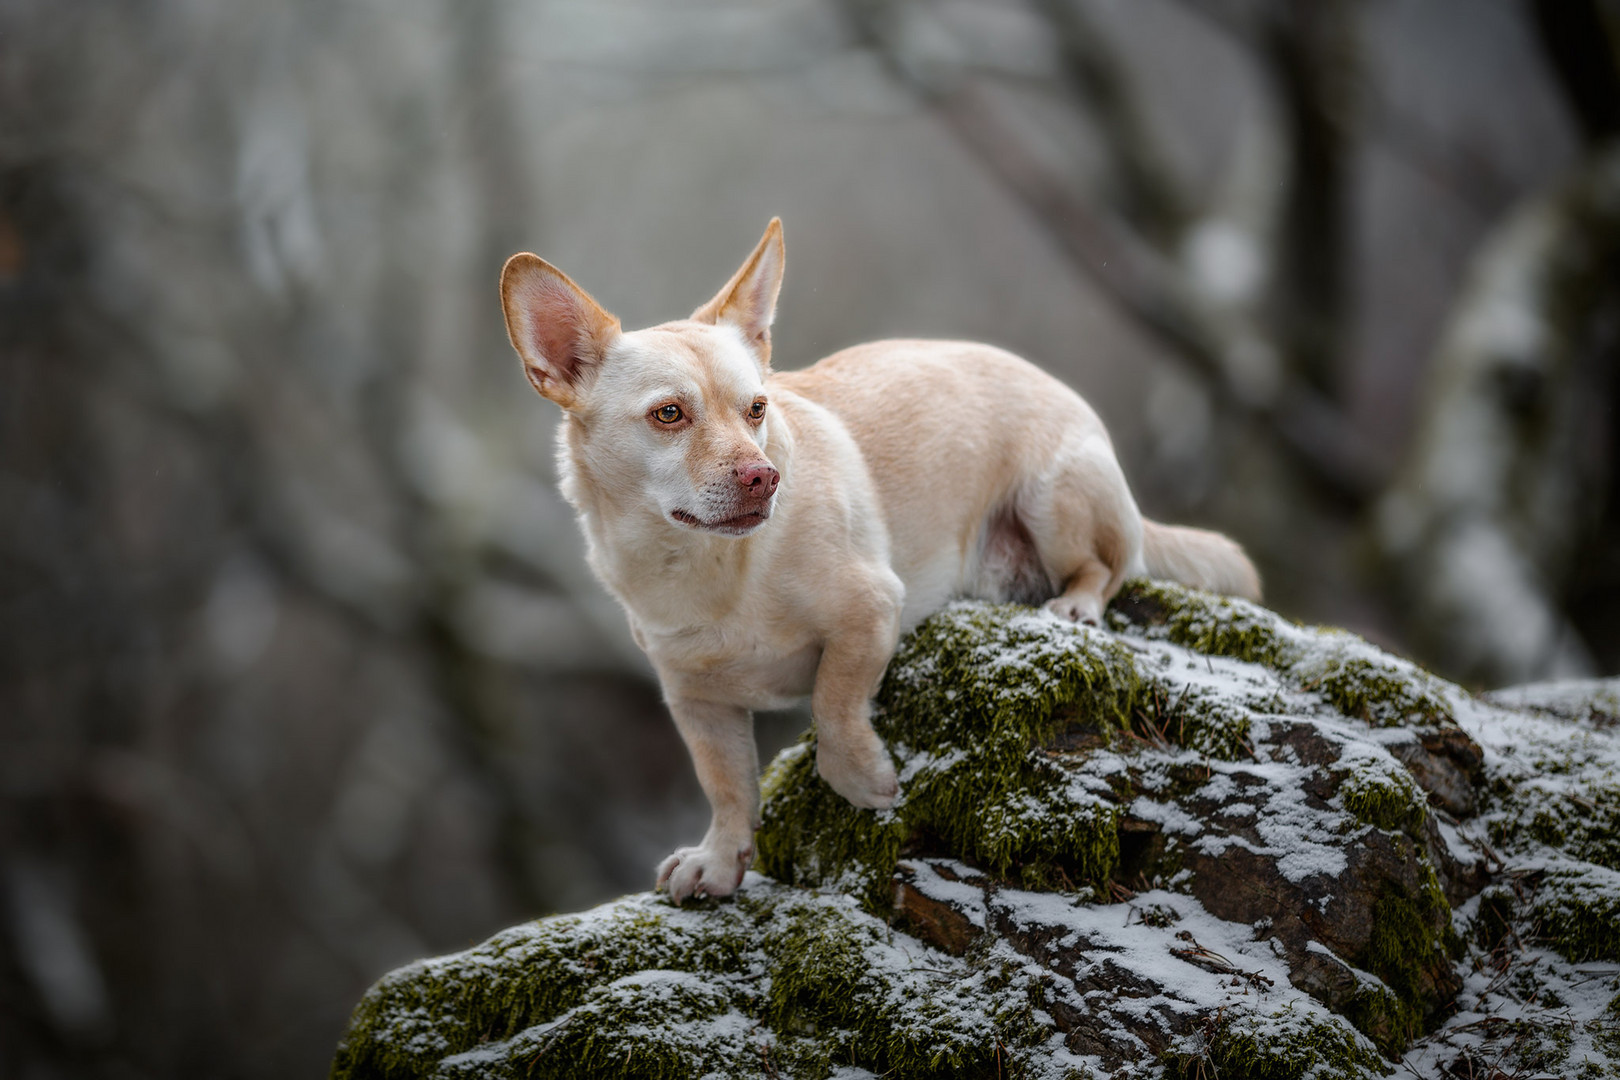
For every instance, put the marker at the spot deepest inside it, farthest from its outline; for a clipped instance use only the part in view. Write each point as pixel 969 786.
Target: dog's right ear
pixel 555 326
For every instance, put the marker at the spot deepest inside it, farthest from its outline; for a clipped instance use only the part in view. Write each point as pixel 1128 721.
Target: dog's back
pixel 995 480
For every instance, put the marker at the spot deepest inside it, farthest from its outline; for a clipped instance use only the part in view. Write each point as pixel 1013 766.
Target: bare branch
pixel 1310 52
pixel 1305 425
pixel 1145 188
pixel 1476 181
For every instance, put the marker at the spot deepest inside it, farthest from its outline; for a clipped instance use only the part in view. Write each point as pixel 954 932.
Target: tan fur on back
pixel 963 420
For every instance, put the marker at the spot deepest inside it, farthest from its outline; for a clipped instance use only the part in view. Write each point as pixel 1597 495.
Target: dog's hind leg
pixel 721 741
pixel 1086 527
pixel 1085 594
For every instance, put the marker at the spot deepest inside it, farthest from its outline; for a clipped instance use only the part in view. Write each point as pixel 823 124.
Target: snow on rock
pixel 1203 841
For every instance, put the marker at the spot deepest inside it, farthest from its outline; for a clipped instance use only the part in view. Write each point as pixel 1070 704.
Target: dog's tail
pixel 1200 558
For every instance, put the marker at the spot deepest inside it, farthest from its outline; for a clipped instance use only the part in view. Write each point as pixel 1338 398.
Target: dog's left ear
pixel 748 301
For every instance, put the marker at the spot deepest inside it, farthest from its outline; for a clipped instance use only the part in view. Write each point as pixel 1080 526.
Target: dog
pixel 772 534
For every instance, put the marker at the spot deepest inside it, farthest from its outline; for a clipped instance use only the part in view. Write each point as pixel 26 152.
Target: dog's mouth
pixel 740 525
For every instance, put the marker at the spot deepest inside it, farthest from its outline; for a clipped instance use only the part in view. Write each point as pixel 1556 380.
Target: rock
pixel 782 979
pixel 1202 840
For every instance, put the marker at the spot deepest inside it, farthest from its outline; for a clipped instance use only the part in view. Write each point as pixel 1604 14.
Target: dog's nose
pixel 758 478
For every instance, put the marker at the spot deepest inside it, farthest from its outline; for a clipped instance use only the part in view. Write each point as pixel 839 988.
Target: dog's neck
pixel 699 575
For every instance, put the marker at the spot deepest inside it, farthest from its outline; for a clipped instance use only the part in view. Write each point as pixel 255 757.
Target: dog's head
pixel 677 413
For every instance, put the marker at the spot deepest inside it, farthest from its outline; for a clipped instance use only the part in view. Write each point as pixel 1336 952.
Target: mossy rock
pixel 1558 785
pixel 1201 839
pixel 1577 906
pixel 1060 757
pixel 1553 810
pixel 1276 1044
pixel 781 979
pixel 1357 679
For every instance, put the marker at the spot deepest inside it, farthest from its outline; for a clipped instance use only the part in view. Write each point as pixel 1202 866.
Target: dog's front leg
pixel 720 739
pixel 849 754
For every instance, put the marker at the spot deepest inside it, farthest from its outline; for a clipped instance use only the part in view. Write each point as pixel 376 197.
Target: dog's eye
pixel 756 411
pixel 667 414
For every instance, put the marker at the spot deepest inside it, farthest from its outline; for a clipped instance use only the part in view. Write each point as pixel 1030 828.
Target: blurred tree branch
pixel 1310 52
pixel 1229 351
pixel 1143 187
pixel 1502 483
pixel 1514 477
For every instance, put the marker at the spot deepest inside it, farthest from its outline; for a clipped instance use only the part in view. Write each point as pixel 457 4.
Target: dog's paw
pixel 704 871
pixel 1079 609
pixel 866 780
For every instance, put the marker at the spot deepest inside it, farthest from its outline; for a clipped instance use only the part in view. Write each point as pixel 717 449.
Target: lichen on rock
pixel 1201 840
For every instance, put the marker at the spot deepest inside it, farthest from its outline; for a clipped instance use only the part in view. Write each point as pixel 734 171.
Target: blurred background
pixel 302 674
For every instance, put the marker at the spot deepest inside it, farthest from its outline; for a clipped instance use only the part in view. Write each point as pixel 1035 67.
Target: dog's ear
pixel 748 301
pixel 555 326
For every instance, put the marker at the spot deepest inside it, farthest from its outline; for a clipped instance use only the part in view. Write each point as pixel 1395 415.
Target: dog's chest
pixel 734 664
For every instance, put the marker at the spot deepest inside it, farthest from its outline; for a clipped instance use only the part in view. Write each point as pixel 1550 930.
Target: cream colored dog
pixel 771 534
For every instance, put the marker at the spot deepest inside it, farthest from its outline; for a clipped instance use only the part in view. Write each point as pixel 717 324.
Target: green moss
pixel 444 1006
pixel 1213 725
pixel 969 699
pixel 816 974
pixel 1577 909
pixel 1546 829
pixel 1027 825
pixel 1494 921
pixel 820 979
pixel 1383 692
pixel 1605 1031
pixel 977 673
pixel 1356 679
pixel 1584 826
pixel 1384 795
pixel 607 1035
pixel 1204 622
pixel 810 835
pixel 1283 1044
pixel 1592 1070
pixel 1411 937
pixel 641 989
pixel 1536 1048
pixel 1387 1020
